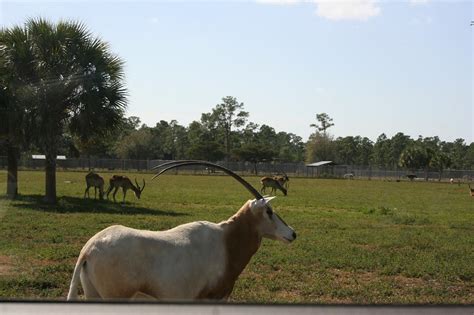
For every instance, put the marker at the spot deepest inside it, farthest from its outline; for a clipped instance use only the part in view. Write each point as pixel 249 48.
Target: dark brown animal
pixel 96 181
pixel 119 181
pixel 273 184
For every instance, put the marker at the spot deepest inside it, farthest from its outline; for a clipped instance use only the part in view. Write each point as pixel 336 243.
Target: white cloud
pixel 320 90
pixel 153 20
pixel 360 10
pixel 418 2
pixel 337 10
pixel 279 2
pixel 421 20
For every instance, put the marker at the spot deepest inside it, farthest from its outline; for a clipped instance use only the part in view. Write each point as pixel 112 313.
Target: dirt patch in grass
pixel 395 288
pixel 6 266
pixel 368 247
pixel 364 277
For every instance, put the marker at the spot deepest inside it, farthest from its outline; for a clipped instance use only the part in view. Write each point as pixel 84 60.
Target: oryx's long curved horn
pixel 173 162
pixel 143 187
pixel 171 165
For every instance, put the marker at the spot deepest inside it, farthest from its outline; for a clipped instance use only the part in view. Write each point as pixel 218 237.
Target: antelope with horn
pixel 118 181
pixel 273 184
pixel 193 261
pixel 96 181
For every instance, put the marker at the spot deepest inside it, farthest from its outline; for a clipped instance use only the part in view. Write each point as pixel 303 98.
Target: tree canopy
pixel 71 81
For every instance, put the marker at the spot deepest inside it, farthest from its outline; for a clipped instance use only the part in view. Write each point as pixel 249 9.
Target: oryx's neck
pixel 242 240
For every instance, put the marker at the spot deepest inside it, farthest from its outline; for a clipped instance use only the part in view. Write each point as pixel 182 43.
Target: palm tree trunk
pixel 50 187
pixel 12 177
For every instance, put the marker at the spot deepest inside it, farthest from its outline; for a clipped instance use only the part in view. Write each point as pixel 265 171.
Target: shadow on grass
pixel 68 204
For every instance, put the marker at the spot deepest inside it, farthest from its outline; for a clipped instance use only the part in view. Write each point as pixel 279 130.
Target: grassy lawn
pixel 358 241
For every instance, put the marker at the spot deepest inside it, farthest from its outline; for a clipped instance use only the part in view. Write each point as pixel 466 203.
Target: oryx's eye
pixel 270 213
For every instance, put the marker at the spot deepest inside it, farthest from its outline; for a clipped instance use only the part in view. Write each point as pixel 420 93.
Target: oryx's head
pixel 270 225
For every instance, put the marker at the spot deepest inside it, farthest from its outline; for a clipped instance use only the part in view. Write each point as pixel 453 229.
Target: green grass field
pixel 358 241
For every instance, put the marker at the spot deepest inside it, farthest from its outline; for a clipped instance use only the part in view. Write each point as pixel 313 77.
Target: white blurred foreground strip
pixel 39 308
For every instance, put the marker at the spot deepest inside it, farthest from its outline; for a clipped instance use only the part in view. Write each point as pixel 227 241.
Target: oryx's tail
pixel 72 295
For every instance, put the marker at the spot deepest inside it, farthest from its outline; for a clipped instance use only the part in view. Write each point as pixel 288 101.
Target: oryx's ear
pixel 259 203
pixel 268 198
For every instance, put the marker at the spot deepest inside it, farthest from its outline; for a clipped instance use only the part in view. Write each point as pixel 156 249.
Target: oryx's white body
pixel 198 260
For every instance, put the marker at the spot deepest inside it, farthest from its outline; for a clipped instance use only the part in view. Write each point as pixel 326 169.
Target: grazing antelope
pixel 125 183
pixel 284 180
pixel 96 181
pixel 273 183
pixel 197 260
pixel 472 190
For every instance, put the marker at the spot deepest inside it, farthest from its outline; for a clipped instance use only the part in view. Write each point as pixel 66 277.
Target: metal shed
pixel 322 167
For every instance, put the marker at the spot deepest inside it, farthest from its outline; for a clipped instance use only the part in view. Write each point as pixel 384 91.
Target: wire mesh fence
pixel 248 168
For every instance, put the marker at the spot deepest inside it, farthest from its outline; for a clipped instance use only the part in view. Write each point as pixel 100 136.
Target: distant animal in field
pixel 411 176
pixel 273 184
pixel 349 176
pixel 119 181
pixel 471 190
pixel 284 180
pixel 96 181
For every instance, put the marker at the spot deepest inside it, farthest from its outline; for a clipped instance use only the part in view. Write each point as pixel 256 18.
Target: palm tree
pixel 15 68
pixel 75 86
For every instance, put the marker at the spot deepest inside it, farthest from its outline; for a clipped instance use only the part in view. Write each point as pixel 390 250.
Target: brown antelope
pixel 284 180
pixel 195 261
pixel 118 181
pixel 96 181
pixel 273 183
pixel 472 190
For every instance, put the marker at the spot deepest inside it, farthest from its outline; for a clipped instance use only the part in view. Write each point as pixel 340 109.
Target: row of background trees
pixel 225 134
pixel 389 153
pixel 62 92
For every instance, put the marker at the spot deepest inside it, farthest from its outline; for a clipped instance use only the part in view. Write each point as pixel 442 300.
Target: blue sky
pixel 373 66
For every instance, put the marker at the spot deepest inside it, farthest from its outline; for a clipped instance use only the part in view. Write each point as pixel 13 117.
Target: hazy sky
pixel 373 66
